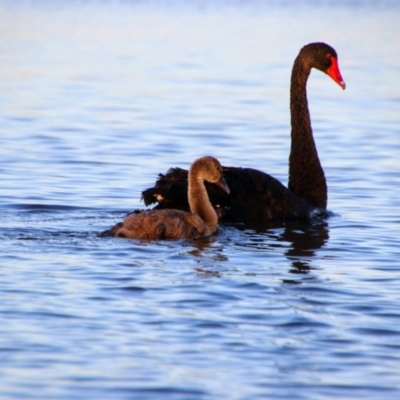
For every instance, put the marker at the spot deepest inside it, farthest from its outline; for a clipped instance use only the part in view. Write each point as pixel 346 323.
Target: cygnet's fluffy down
pixel 202 221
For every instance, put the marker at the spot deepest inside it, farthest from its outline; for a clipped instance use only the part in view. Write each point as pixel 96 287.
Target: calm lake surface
pixel 99 97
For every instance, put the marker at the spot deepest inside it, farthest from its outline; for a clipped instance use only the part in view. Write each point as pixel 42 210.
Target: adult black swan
pixel 255 196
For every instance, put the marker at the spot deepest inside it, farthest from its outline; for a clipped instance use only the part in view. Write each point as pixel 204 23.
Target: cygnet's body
pixel 202 221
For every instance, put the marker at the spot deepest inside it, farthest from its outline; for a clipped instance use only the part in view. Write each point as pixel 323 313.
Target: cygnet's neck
pixel 200 203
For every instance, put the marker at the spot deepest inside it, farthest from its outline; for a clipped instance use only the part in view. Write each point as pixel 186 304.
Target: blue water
pixel 97 98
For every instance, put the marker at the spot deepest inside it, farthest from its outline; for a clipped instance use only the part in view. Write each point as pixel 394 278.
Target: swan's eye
pixel 329 57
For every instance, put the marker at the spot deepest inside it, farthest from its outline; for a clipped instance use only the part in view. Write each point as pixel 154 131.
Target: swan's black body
pixel 257 197
pixel 254 196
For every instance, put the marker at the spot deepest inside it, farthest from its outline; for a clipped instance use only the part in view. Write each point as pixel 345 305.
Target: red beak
pixel 334 72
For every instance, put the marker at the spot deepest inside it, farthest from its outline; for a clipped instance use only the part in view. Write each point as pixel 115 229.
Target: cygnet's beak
pixel 222 184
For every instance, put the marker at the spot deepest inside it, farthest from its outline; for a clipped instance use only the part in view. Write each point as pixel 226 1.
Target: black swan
pixel 256 197
pixel 202 221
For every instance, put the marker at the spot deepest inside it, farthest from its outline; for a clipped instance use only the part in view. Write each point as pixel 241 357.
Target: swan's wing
pixel 254 196
pixel 258 197
pixel 170 191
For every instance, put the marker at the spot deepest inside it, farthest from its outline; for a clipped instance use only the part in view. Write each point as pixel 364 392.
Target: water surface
pixel 96 99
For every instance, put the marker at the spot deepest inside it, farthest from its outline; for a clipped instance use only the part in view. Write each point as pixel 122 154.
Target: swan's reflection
pixel 300 239
pixel 304 240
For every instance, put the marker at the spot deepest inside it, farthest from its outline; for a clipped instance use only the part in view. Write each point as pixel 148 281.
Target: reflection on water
pixel 305 241
pixel 299 240
pixel 96 99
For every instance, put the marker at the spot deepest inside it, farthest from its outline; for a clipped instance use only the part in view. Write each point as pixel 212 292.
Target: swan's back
pixel 160 224
pixel 258 196
pixel 254 196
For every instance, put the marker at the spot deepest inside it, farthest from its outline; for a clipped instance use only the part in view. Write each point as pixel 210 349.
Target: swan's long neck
pixel 306 176
pixel 199 202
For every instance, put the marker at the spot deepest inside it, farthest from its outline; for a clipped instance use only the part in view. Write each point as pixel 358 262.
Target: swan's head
pixel 323 57
pixel 209 169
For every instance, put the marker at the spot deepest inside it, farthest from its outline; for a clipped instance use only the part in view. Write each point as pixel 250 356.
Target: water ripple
pixel 96 100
